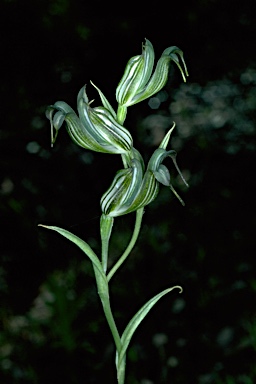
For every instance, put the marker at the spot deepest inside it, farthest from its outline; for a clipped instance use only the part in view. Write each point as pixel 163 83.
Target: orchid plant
pixel 102 129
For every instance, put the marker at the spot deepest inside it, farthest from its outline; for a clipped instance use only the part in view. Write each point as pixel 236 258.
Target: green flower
pixel 138 83
pixel 94 128
pixel 132 189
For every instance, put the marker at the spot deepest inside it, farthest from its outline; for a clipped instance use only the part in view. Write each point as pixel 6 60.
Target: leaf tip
pixel 41 225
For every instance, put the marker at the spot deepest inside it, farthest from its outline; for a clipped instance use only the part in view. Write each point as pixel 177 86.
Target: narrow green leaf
pixel 136 320
pixel 81 244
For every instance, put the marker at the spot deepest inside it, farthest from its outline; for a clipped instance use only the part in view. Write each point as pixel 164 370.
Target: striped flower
pixel 95 129
pixel 132 188
pixel 138 83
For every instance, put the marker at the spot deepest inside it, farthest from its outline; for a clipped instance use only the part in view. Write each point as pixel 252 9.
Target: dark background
pixel 52 327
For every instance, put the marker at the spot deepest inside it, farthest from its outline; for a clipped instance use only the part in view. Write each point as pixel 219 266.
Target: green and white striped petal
pixel 137 73
pixel 95 129
pixel 160 76
pixel 122 190
pixel 132 189
pixel 61 112
pixel 105 101
pixel 138 83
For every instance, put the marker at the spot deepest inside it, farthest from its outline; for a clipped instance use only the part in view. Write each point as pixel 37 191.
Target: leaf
pixel 136 320
pixel 81 244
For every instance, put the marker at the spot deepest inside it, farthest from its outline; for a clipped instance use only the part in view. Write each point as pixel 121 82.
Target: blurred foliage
pixel 52 328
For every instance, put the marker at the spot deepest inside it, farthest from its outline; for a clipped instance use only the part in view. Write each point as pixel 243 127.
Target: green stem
pixel 121 114
pixel 103 292
pixel 121 372
pixel 137 226
pixel 106 229
pixel 106 225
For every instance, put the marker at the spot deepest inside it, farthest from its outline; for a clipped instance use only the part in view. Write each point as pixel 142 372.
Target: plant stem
pixel 121 372
pixel 106 225
pixel 103 292
pixel 136 231
pixel 121 113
